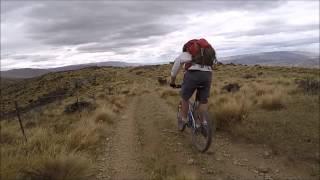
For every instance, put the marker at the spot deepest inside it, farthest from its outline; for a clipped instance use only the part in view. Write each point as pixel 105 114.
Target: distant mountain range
pixel 33 72
pixel 276 58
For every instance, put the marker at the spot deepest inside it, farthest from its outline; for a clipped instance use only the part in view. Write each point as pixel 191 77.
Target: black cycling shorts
pixel 192 81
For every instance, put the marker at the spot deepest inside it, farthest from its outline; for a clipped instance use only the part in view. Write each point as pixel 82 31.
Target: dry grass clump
pixel 168 93
pixel 87 132
pixel 71 166
pixel 162 168
pixel 103 117
pixel 145 91
pixel 7 135
pixel 43 156
pixel 59 147
pixel 40 141
pixel 101 95
pixel 262 89
pixel 274 101
pixel 85 135
pixel 133 90
pixel 230 110
pixel 309 85
pixel 118 102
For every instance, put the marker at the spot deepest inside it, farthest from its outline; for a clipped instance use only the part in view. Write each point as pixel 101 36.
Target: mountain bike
pixel 202 129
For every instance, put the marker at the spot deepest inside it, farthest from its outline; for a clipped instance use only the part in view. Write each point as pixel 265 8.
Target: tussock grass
pixel 104 116
pixel 229 111
pixel 88 131
pixel 274 101
pixel 59 147
pixel 262 89
pixel 163 168
pixel 8 135
pixel 85 135
pixel 71 166
pixel 170 95
pixel 41 140
pixel 165 93
pixel 44 156
pixel 117 102
pixel 101 95
pixel 293 131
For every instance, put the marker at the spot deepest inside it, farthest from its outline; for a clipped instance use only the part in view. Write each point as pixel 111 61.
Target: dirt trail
pixel 122 159
pixel 146 145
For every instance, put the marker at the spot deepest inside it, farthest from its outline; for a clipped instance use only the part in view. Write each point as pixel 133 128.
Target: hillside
pixel 124 126
pixel 31 72
pixel 278 58
pixel 24 73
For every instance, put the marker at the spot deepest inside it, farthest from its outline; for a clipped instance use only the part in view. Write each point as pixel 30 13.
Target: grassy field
pixel 273 107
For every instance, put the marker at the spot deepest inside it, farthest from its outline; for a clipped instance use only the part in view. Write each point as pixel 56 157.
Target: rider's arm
pixel 182 58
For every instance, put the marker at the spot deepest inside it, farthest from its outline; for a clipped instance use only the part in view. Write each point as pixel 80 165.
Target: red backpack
pixel 201 51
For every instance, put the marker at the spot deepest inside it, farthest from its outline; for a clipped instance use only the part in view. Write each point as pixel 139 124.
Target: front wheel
pixel 202 134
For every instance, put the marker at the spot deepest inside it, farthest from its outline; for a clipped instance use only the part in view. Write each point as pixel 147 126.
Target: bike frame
pixel 191 119
pixel 192 108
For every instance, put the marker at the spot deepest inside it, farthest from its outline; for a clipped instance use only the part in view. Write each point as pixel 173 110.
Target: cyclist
pixel 198 58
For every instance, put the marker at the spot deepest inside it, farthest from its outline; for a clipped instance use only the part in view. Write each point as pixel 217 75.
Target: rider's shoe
pixel 182 123
pixel 203 123
pixel 198 125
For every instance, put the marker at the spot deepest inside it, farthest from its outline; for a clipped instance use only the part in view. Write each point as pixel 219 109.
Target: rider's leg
pixel 204 93
pixel 184 109
pixel 203 107
pixel 187 89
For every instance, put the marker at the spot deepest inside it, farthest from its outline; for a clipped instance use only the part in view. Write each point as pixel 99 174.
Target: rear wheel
pixel 181 124
pixel 202 134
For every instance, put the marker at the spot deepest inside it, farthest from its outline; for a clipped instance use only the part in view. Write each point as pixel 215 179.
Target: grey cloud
pixel 32 58
pixel 75 23
pixel 129 37
pixel 94 23
pixel 107 26
pixel 9 6
pixel 239 48
pixel 271 27
pixel 287 43
pixel 266 46
pixel 109 46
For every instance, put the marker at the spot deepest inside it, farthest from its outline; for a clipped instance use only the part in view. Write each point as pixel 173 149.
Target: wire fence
pixel 42 101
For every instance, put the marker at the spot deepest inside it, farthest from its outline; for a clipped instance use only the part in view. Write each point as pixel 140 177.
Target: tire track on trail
pixel 126 154
pixel 165 150
pixel 121 158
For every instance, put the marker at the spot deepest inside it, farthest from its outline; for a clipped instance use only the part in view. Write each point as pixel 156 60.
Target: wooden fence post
pixel 19 118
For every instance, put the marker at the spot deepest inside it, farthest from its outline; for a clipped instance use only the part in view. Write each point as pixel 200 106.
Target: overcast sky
pixel 43 34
